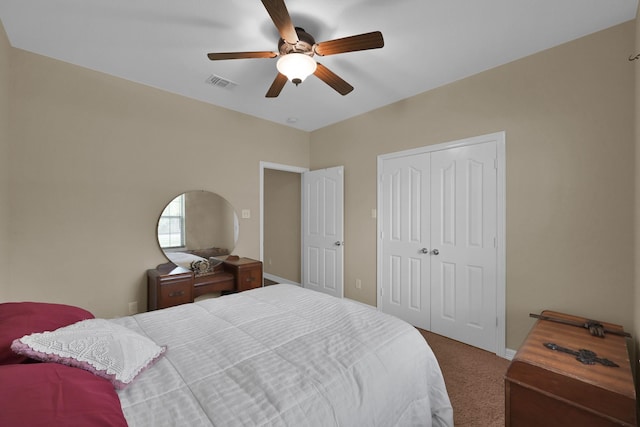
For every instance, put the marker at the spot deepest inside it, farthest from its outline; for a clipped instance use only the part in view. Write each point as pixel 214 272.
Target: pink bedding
pixel 50 394
pixel 21 318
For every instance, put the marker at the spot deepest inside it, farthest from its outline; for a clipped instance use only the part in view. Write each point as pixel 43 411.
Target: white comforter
pixel 284 356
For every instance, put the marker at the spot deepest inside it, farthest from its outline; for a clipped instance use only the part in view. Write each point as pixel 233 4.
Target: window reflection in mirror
pixel 171 225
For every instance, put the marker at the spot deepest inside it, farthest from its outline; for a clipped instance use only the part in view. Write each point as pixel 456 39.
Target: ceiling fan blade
pixel 241 55
pixel 276 86
pixel 281 19
pixel 365 41
pixel 332 79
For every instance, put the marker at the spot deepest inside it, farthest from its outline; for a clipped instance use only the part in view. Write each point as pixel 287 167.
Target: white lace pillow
pixel 108 350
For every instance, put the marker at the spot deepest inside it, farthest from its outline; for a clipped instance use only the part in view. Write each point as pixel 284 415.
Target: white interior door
pixel 438 258
pixel 405 236
pixel 463 244
pixel 323 230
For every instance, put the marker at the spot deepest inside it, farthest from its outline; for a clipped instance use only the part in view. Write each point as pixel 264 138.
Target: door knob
pixel 435 252
pixel 338 243
pixel 424 250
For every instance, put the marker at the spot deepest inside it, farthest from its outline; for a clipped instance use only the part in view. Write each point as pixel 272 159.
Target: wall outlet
pixel 358 284
pixel 133 307
pixel 246 213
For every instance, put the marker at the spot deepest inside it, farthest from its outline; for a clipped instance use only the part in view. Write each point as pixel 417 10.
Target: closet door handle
pixel 424 251
pixel 435 252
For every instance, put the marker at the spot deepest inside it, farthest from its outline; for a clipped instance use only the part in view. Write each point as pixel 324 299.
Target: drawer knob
pixel 176 294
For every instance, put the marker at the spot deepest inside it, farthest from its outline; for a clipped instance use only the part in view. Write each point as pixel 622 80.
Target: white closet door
pixel 405 239
pixel 463 244
pixel 437 217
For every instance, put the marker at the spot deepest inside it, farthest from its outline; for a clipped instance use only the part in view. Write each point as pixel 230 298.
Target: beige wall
pixel 568 117
pixel 5 55
pixel 282 224
pixel 94 160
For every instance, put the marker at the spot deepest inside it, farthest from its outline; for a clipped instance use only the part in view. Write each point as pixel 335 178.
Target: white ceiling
pixel 428 43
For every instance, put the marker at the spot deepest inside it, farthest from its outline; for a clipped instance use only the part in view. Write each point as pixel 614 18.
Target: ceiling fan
pixel 296 49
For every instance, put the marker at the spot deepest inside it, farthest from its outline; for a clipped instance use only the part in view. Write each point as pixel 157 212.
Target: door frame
pixel 500 139
pixel 284 168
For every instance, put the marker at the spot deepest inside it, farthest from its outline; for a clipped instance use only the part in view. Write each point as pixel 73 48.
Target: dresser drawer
pixel 175 292
pixel 169 288
pixel 249 278
pixel 218 282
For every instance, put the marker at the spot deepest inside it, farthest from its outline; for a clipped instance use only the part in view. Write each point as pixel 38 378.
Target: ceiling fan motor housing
pixel 304 44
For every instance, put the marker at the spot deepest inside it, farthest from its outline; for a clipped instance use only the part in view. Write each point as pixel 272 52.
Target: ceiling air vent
pixel 221 82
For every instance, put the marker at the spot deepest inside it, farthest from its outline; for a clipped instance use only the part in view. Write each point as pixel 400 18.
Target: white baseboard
pixel 280 279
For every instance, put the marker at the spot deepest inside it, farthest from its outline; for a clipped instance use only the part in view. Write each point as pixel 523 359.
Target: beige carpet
pixel 474 379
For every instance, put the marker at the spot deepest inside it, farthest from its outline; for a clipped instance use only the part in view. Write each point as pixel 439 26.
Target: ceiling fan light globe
pixel 296 66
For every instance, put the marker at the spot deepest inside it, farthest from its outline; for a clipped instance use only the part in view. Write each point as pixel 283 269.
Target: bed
pixel 281 356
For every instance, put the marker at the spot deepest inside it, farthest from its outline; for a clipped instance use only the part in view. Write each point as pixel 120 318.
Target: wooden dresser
pixel 544 387
pixel 169 285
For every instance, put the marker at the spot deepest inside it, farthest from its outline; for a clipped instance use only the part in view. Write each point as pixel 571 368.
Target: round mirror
pixel 197 225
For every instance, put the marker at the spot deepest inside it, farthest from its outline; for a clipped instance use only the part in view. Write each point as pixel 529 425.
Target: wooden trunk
pixel 548 388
